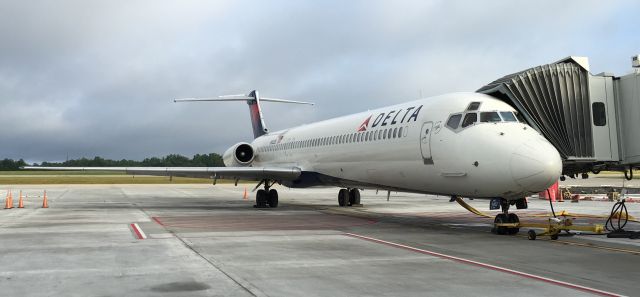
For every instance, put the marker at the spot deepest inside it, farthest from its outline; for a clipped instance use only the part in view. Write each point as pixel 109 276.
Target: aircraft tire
pixel 272 198
pixel 500 218
pixel 261 198
pixel 354 196
pixel 343 197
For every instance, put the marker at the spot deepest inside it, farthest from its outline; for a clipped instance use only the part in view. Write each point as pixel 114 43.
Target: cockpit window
pixel 469 119
pixel 489 117
pixel 508 116
pixel 473 106
pixel 454 121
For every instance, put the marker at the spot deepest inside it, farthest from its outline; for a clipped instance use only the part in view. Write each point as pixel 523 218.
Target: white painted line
pixel 138 231
pixel 488 266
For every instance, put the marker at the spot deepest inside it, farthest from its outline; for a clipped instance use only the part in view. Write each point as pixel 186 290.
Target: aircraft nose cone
pixel 535 165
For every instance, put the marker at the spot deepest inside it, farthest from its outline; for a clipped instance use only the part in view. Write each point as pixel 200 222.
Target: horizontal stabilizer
pixel 253 100
pixel 241 98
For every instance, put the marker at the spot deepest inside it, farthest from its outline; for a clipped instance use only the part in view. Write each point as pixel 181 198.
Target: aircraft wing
pixel 244 173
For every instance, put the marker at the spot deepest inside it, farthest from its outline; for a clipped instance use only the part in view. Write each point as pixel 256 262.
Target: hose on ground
pixel 618 218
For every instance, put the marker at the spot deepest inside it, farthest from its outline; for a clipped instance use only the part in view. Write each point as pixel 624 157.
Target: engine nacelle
pixel 240 154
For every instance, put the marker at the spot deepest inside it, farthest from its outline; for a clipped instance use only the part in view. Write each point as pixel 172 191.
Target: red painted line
pixel 488 266
pixel 138 231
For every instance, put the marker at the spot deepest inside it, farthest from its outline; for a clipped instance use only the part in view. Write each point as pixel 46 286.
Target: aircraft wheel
pixel 500 218
pixel 354 196
pixel 531 235
pixel 272 198
pixel 261 198
pixel 343 197
pixel 513 218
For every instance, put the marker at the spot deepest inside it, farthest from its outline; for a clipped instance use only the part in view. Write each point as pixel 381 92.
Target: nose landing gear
pixel 506 223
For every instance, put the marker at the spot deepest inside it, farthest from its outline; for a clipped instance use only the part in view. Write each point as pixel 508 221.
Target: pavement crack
pixel 236 279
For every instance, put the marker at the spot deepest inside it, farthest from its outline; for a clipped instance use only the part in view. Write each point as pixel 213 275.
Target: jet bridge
pixel 592 120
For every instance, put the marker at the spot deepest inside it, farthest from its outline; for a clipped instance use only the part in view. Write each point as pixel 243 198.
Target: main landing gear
pixel 348 197
pixel 266 197
pixel 507 223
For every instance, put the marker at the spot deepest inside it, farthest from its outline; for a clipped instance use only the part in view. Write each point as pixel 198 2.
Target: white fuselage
pixel 503 158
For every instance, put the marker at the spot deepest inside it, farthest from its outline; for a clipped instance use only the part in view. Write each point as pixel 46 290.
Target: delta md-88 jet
pixel 459 145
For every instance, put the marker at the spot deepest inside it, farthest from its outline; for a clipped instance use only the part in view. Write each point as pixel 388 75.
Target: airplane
pixel 459 145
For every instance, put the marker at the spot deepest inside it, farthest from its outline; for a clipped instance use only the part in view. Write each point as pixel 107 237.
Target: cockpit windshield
pixel 508 116
pixel 489 117
pixel 470 118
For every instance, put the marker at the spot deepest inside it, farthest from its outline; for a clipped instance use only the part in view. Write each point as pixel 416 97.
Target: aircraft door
pixel 425 142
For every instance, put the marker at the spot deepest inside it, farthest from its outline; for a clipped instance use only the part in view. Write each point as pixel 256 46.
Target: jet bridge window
pixel 469 119
pixel 599 114
pixel 454 121
pixel 490 117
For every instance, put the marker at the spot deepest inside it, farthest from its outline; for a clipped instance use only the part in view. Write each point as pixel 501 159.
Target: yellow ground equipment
pixel 551 228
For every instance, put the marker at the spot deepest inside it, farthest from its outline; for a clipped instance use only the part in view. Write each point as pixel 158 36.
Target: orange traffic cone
pixel 45 204
pixel 245 196
pixel 6 201
pixel 20 202
pixel 10 199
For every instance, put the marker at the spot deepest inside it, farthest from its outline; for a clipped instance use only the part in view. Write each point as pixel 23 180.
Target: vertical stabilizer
pixel 257 120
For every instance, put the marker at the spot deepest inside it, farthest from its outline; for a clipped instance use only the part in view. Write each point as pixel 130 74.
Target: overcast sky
pixel 97 78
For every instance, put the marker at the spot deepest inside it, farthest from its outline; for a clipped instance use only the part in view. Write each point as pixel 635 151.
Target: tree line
pixel 172 160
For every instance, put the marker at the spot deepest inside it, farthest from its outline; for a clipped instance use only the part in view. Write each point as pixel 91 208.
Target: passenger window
pixel 389 134
pixel 400 132
pixel 469 119
pixel 379 134
pixel 384 134
pixel 454 121
pixel 508 116
pixel 395 132
pixel 489 117
pixel 473 106
pixel 599 114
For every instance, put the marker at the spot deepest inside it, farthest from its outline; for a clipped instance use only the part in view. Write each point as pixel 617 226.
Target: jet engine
pixel 240 154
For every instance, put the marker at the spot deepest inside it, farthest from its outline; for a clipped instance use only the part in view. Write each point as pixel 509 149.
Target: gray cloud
pixel 89 78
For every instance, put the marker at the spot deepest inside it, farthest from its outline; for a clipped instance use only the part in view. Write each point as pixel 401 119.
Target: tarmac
pixel 205 240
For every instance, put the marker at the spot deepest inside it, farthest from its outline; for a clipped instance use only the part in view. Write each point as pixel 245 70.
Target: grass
pixel 29 177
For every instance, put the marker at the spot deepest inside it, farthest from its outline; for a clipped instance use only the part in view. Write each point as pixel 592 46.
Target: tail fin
pixel 253 100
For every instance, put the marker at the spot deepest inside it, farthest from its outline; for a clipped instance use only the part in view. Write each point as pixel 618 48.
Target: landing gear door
pixel 425 142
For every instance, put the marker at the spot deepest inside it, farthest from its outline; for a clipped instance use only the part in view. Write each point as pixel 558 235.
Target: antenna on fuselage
pixel 253 100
